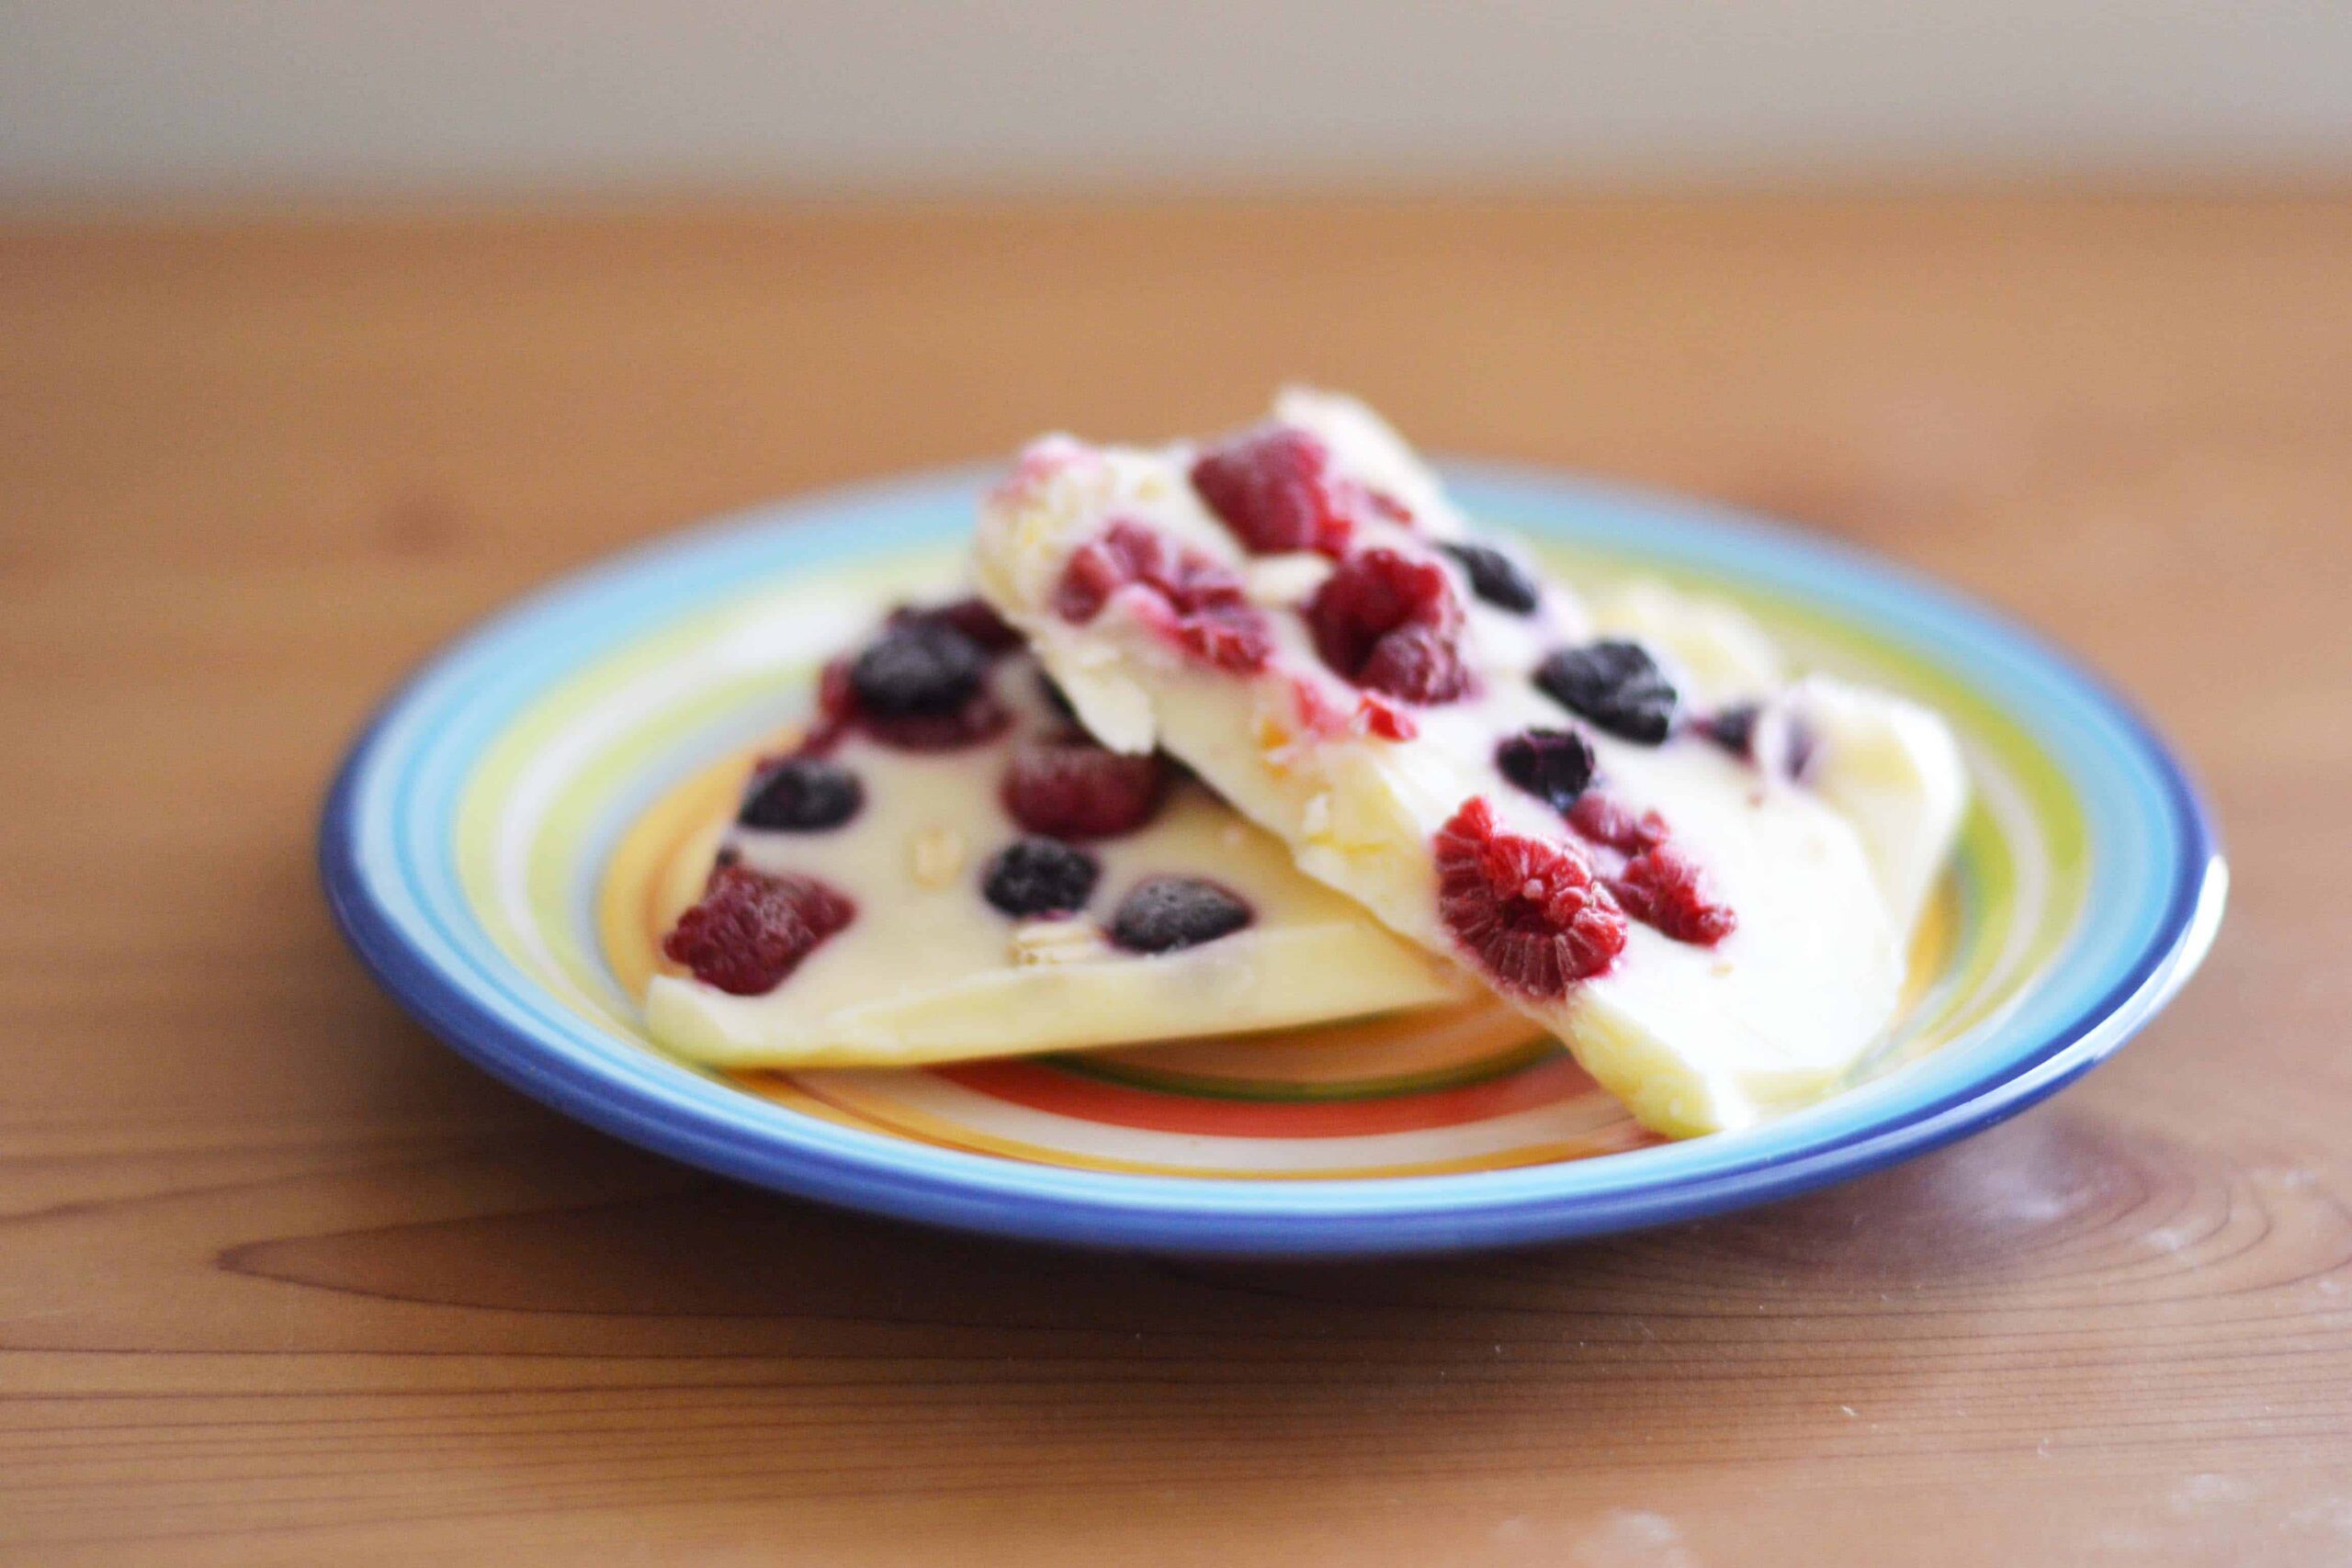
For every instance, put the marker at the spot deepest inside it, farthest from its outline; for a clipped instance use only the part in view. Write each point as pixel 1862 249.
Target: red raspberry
pixel 1529 912
pixel 1075 789
pixel 1660 887
pixel 1198 603
pixel 1275 489
pixel 1604 821
pixel 1391 623
pixel 753 929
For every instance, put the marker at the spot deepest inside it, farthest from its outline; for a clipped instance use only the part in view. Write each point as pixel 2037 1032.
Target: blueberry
pixel 1615 684
pixel 1734 728
pixel 802 794
pixel 1040 877
pixel 918 669
pixel 1495 578
pixel 1170 912
pixel 1553 765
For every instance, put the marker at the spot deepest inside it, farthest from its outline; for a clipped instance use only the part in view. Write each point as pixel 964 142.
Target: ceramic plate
pixel 504 842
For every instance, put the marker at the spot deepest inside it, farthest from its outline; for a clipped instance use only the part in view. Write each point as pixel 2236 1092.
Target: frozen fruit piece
pixel 1530 912
pixel 1553 765
pixel 1495 578
pixel 1734 728
pixel 753 929
pixel 1662 887
pixel 1195 602
pixel 1075 789
pixel 971 616
pixel 802 794
pixel 1615 684
pixel 1040 877
pixel 1273 488
pixel 1390 623
pixel 917 668
pixel 1610 822
pixel 1170 912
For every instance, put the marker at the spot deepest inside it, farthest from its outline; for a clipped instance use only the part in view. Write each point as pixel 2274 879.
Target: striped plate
pixel 508 838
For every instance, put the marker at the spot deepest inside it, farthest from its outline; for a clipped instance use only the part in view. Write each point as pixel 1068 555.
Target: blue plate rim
pixel 1192 1215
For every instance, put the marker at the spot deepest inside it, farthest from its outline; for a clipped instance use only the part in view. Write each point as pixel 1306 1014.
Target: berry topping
pixel 1075 789
pixel 1553 765
pixel 753 929
pixel 1197 602
pixel 1529 912
pixel 976 618
pixel 1495 578
pixel 1040 877
pixel 1615 684
pixel 1660 887
pixel 802 795
pixel 1170 912
pixel 1275 489
pixel 1390 623
pixel 917 668
pixel 1734 728
pixel 1606 822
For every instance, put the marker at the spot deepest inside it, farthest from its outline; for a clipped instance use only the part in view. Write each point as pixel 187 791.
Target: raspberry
pixel 1196 601
pixel 1390 623
pixel 975 619
pixel 1615 684
pixel 1075 789
pixel 802 794
pixel 1660 887
pixel 1170 912
pixel 753 929
pixel 1275 489
pixel 1604 821
pixel 1040 877
pixel 1553 765
pixel 1529 912
pixel 1495 578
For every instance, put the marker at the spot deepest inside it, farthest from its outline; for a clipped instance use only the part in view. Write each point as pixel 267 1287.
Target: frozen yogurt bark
pixel 1619 816
pixel 945 866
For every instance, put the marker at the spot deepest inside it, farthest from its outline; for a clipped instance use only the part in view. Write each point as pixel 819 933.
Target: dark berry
pixel 1529 912
pixel 1607 822
pixel 1495 578
pixel 1390 623
pixel 1194 602
pixel 1662 887
pixel 1275 489
pixel 1553 765
pixel 1075 789
pixel 1040 877
pixel 1615 684
pixel 921 669
pixel 802 794
pixel 976 618
pixel 753 929
pixel 1734 728
pixel 1170 912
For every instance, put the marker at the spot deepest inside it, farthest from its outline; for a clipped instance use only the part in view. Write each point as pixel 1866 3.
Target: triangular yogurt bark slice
pixel 1590 808
pixel 945 866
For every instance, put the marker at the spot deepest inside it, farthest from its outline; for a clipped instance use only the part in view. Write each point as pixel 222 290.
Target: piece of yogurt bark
pixel 947 867
pixel 1639 841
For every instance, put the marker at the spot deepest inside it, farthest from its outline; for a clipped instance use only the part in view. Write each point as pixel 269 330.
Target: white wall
pixel 124 97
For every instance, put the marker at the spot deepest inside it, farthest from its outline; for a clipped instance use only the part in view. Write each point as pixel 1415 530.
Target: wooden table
pixel 283 1281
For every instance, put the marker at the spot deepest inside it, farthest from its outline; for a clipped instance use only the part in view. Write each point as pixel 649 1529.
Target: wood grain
pixel 281 1281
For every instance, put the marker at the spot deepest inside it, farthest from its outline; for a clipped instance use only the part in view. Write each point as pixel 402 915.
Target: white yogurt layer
pixel 1826 873
pixel 929 971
